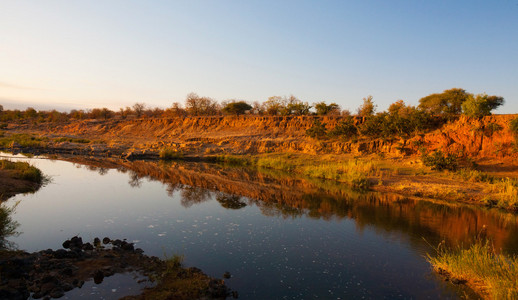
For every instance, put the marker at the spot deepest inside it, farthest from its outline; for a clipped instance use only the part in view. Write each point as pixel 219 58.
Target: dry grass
pixel 493 275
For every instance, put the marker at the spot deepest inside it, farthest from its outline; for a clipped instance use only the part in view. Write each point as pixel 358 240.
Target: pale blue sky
pixel 81 54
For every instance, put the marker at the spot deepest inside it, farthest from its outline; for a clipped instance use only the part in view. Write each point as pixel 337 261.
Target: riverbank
pixel 18 177
pixel 52 273
pixel 485 148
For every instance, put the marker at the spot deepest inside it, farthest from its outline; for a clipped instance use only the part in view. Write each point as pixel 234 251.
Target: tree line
pixel 440 106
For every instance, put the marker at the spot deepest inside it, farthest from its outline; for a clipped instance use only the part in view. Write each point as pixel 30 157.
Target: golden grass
pixel 493 275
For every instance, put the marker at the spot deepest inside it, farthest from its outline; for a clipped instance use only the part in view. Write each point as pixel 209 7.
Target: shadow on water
pixel 280 194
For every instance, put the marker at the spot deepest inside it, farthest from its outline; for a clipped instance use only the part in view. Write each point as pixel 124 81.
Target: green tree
pixel 481 105
pixel 236 107
pixel 448 102
pixel 323 109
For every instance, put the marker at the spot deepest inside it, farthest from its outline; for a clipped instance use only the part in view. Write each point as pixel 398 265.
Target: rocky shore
pixel 51 273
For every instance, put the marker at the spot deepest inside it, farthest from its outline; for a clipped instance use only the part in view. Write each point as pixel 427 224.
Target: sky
pixel 84 54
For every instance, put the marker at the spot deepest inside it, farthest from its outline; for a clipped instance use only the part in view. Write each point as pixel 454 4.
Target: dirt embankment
pixel 488 137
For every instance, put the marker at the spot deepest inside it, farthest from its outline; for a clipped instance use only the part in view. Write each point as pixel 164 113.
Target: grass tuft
pixel 22 170
pixel 491 274
pixel 170 154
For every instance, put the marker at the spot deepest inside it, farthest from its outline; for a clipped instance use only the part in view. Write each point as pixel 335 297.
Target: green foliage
pixel 324 109
pixel 437 161
pixel 317 130
pixel 448 102
pixel 24 140
pixel 513 126
pixel 482 266
pixel 233 160
pixel 481 105
pixel 22 170
pixel 7 227
pixel 170 154
pixel 345 128
pixel 237 108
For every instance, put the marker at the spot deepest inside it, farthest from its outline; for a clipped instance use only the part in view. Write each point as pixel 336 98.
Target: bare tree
pixel 139 108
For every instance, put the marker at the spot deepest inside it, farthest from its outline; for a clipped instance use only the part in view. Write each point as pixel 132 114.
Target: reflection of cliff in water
pixel 277 194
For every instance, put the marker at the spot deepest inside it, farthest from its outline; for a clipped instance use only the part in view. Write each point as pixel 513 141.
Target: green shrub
pixel 437 161
pixel 514 127
pixel 170 154
pixel 22 170
pixel 317 130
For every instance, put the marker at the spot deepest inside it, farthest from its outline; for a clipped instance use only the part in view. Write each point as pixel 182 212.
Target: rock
pixel 98 276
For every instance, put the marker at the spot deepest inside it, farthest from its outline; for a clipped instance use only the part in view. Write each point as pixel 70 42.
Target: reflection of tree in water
pixel 7 227
pixel 194 195
pixel 135 180
pixel 230 201
pixel 173 187
pixel 102 171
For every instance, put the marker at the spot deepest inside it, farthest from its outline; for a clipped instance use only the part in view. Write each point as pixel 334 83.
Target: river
pixel 281 237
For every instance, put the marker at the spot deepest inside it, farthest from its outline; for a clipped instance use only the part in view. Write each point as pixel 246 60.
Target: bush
pixel 317 130
pixel 345 128
pixel 514 126
pixel 170 154
pixel 437 161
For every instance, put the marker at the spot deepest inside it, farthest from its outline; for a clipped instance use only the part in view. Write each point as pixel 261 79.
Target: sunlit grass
pixel 170 154
pixel 22 170
pixel 23 140
pixel 493 275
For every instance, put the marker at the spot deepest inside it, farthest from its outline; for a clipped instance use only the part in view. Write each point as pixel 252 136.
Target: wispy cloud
pixel 7 85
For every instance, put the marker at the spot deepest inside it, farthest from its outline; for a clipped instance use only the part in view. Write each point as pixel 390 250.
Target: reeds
pixel 170 154
pixel 493 275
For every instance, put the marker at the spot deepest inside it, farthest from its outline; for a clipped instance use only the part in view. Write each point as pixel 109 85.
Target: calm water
pixel 279 237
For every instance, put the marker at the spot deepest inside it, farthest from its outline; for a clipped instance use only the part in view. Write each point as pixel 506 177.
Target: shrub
pixel 345 128
pixel 437 161
pixel 170 154
pixel 22 170
pixel 514 127
pixel 317 130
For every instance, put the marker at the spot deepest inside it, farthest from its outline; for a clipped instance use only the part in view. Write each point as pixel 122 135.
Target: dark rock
pixel 127 246
pixel 60 253
pixel 66 244
pixel 98 276
pixel 57 293
pixel 88 246
pixel 458 281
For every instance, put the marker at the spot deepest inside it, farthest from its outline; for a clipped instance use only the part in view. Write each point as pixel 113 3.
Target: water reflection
pixel 8 227
pixel 277 194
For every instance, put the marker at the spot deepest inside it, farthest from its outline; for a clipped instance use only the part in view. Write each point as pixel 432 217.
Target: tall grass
pixel 491 274
pixel 22 170
pixel 170 154
pixel 353 172
pixel 24 140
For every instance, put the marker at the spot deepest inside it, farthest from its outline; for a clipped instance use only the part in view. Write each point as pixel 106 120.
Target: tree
pixel 237 108
pixel 1 108
pixel 367 108
pixel 31 113
pixel 139 108
pixel 481 105
pixel 295 107
pixel 323 109
pixel 201 106
pixel 448 102
pixel 274 105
